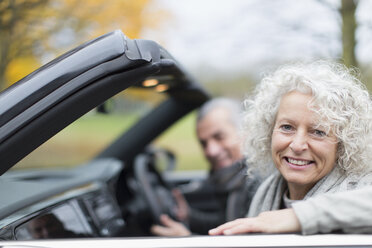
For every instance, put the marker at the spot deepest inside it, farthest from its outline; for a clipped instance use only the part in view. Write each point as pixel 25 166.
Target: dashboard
pixel 86 211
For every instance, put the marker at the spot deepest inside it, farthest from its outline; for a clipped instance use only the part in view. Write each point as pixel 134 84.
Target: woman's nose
pixel 299 143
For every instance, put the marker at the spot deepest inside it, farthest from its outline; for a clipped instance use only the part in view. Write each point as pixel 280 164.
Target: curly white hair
pixel 341 101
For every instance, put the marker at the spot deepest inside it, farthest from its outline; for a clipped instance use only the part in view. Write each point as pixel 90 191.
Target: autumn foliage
pixel 34 31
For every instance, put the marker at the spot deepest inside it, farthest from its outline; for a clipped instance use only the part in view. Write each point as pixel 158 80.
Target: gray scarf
pixel 270 193
pixel 229 178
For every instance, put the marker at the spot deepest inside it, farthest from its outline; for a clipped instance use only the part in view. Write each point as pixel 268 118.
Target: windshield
pixel 86 137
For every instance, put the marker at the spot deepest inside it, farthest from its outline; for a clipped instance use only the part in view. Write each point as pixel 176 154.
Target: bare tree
pixel 349 27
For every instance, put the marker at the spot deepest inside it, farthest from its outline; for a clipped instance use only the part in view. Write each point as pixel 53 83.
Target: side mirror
pixel 58 223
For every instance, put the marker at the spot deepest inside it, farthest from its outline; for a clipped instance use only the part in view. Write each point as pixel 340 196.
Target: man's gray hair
pixel 234 107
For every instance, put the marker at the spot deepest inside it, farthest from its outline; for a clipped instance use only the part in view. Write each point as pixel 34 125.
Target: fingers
pixel 160 230
pixel 176 192
pixel 233 227
pixel 279 221
pixel 179 197
pixel 243 227
pixel 240 226
pixel 169 232
pixel 182 210
pixel 166 221
pixel 170 228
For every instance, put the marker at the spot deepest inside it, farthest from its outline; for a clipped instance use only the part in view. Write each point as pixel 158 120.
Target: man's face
pixel 219 139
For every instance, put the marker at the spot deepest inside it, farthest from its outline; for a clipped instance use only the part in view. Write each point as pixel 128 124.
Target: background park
pixel 226 44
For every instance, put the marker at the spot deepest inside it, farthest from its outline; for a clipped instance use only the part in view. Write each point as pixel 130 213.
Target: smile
pixel 298 162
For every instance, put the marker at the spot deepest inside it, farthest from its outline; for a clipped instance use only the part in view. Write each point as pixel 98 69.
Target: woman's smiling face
pixel 301 152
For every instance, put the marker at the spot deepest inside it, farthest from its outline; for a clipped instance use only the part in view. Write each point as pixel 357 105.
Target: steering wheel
pixel 153 187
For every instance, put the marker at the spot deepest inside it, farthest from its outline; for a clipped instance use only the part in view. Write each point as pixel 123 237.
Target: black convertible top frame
pixel 43 103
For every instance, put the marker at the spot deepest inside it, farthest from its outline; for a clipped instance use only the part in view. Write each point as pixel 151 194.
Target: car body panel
pixel 252 240
pixel 34 186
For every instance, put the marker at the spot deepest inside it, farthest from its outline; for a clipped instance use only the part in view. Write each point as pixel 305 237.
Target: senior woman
pixel 313 122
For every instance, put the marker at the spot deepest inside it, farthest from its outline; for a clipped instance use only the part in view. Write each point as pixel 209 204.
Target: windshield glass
pixel 86 137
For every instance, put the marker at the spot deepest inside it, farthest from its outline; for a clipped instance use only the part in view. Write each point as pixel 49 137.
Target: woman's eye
pixel 320 133
pixel 286 128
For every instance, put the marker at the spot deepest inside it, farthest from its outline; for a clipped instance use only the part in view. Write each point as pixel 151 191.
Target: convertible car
pixel 108 190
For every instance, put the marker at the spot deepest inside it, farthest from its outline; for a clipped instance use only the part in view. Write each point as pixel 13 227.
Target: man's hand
pixel 182 209
pixel 169 228
pixel 279 221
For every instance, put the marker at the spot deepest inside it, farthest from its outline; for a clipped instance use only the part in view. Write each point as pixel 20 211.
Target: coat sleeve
pixel 348 211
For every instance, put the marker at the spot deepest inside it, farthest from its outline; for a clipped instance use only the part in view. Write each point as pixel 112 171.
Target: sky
pixel 250 36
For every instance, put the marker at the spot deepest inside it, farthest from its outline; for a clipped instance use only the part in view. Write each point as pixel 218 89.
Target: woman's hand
pixel 169 228
pixel 279 221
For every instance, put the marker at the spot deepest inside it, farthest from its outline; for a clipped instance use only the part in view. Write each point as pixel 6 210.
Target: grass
pixel 79 142
pixel 84 138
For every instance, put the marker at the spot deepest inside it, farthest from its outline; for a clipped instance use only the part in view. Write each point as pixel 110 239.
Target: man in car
pixel 217 128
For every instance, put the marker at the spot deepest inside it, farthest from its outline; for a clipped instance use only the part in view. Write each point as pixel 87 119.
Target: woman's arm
pixel 348 211
pixel 279 221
